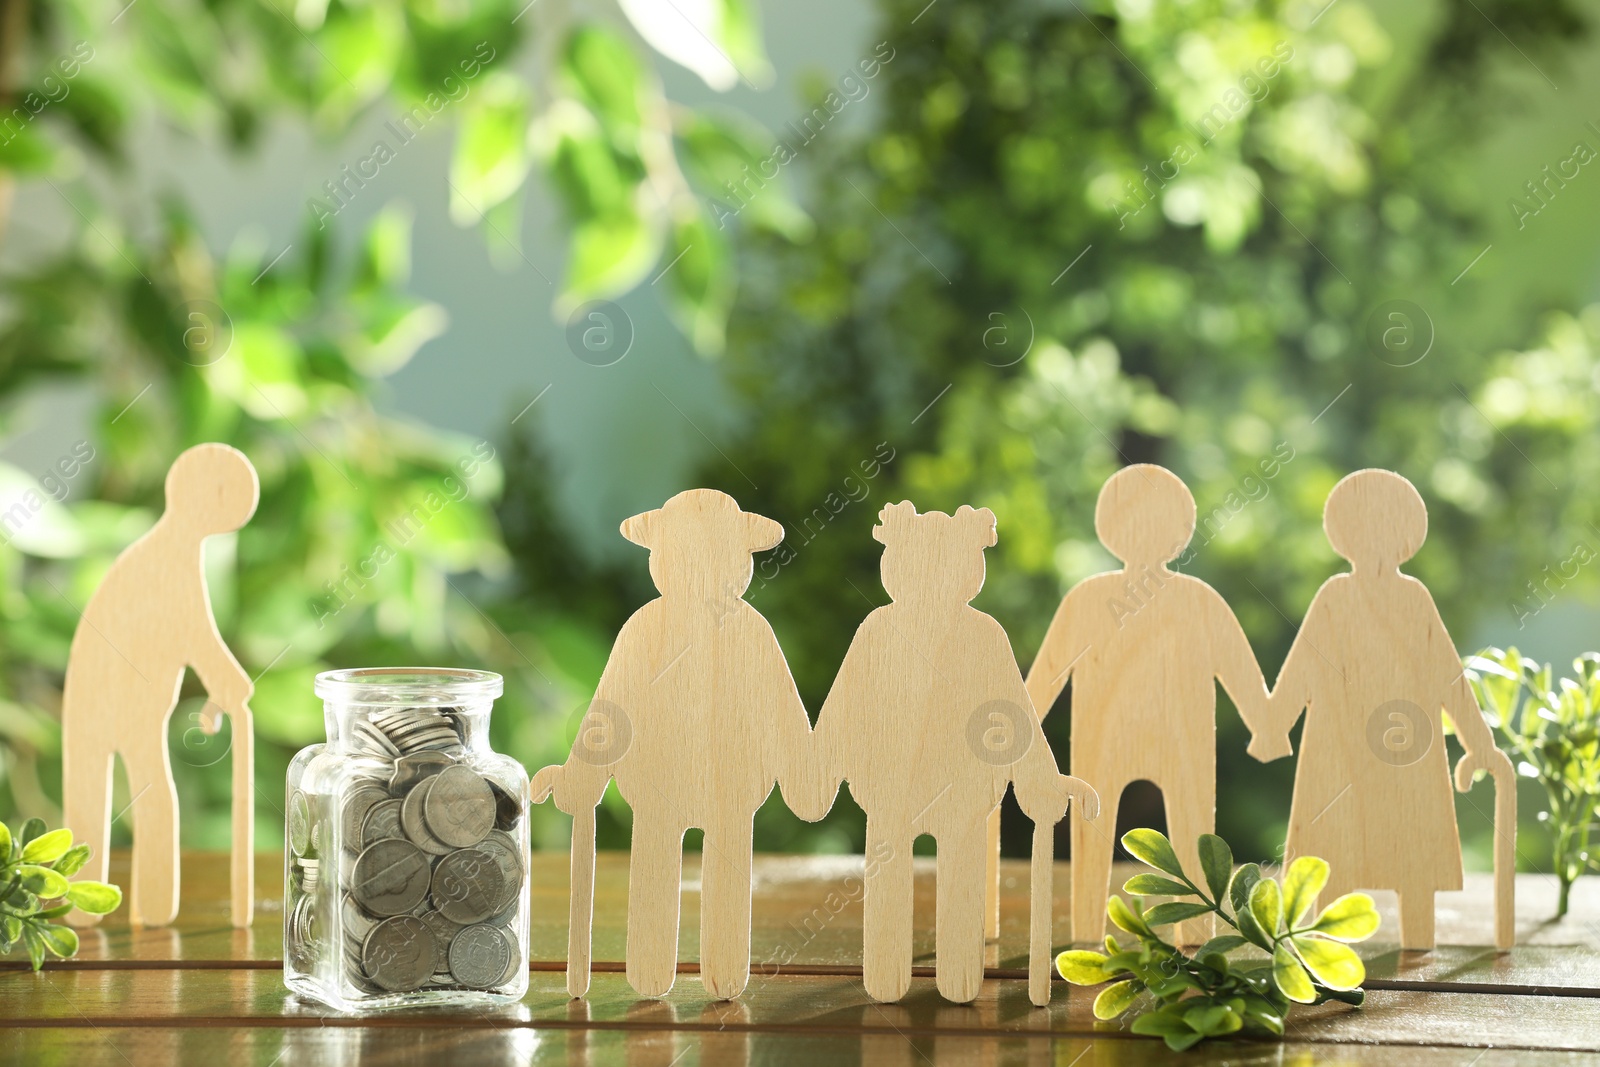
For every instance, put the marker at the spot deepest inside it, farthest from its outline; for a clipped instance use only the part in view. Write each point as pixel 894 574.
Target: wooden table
pixel 204 992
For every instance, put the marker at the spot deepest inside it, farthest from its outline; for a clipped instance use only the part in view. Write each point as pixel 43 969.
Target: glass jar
pixel 406 847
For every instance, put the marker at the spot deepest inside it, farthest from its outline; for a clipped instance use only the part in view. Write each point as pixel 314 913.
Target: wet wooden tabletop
pixel 202 991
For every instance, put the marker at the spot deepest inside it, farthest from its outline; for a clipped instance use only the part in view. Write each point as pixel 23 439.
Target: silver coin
pixel 467 886
pixel 319 836
pixel 382 821
pixel 399 954
pixel 514 964
pixel 460 807
pixel 414 767
pixel 507 807
pixel 373 739
pixel 357 803
pixel 391 877
pixel 444 931
pixel 309 872
pixel 508 858
pixel 415 826
pixel 481 955
pixel 356 923
pixel 299 819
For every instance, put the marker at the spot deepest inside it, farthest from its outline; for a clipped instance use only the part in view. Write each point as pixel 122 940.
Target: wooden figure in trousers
pixel 929 721
pixel 1144 647
pixel 149 620
pixel 1372 667
pixel 696 715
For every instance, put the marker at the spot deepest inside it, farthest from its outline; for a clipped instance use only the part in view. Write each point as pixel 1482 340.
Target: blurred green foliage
pixel 1078 236
pixel 376 540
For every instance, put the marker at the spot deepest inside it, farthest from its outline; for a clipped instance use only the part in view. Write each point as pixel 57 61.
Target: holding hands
pixel 1269 728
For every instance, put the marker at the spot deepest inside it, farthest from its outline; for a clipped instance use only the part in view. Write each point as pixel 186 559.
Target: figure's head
pixel 1375 519
pixel 700 544
pixel 1145 515
pixel 212 489
pixel 933 556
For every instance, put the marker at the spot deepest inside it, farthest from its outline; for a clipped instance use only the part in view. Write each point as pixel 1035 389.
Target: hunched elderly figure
pixel 148 621
pixel 929 721
pixel 1371 667
pixel 696 715
pixel 1144 647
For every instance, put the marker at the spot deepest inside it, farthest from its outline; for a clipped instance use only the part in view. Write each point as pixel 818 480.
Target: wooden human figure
pixel 929 721
pixel 696 715
pixel 1144 647
pixel 1372 666
pixel 148 621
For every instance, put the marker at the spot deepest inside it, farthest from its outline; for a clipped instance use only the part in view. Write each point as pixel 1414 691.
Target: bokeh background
pixel 472 281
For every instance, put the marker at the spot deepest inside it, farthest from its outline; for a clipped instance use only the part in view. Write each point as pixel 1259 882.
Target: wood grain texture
pixel 1144 648
pixel 789 1003
pixel 675 1047
pixel 807 917
pixel 695 717
pixel 929 722
pixel 1372 667
pixel 148 621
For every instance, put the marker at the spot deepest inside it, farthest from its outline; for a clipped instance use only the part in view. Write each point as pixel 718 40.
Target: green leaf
pixel 1160 1024
pixel 72 861
pixel 1266 905
pixel 56 912
pixel 1352 917
pixel 1222 944
pixel 1126 918
pixel 604 73
pixel 1244 880
pixel 10 932
pixel 491 158
pixel 96 898
pixel 1304 880
pixel 1212 1019
pixel 1154 885
pixel 1291 978
pixel 1116 998
pixel 1082 968
pixel 35 945
pixel 61 941
pixel 5 843
pixel 1258 1011
pixel 1174 911
pixel 1216 861
pixel 1153 849
pixel 609 254
pixel 42 881
pixel 1334 964
pixel 47 848
pixel 30 830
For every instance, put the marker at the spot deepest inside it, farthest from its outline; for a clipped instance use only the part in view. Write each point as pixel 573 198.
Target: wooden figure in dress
pixel 929 721
pixel 1372 667
pixel 1144 647
pixel 148 621
pixel 696 715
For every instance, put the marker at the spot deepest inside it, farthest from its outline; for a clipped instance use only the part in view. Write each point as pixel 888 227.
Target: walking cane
pixel 243 867
pixel 580 910
pixel 1041 912
pixel 1505 853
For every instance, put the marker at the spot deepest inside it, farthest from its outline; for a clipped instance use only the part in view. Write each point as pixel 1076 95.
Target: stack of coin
pixel 430 874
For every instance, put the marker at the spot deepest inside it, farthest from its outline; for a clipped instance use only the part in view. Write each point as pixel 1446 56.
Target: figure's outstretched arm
pixel 1461 704
pixel 1064 644
pixel 803 775
pixel 226 682
pixel 1293 691
pixel 1236 667
pixel 605 733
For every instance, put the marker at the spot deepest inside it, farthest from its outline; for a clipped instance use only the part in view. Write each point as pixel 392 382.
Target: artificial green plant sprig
pixel 1207 994
pixel 34 868
pixel 1554 732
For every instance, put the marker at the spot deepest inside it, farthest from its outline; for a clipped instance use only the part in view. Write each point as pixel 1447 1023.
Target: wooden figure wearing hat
pixel 929 721
pixel 1371 667
pixel 695 716
pixel 149 620
pixel 1144 647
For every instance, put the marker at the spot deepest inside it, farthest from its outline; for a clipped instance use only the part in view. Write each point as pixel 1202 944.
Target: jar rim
pixel 417 685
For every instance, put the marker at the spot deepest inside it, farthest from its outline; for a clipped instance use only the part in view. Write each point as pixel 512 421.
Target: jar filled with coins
pixel 406 847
